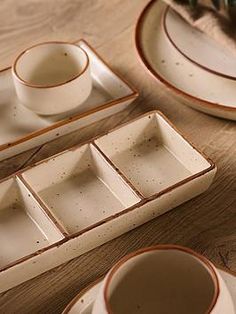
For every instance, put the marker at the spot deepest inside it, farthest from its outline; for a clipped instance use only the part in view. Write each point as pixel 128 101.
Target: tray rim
pixel 143 201
pixel 159 77
pixel 134 94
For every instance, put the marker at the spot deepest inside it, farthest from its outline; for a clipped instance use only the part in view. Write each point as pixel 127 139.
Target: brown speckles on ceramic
pixel 23 228
pixel 102 102
pixel 83 302
pixel 86 190
pixel 90 194
pixel 153 46
pixel 151 154
pixel 197 46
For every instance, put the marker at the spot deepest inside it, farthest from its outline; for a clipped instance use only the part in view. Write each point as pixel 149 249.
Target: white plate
pixel 22 129
pixel 198 47
pixel 83 302
pixel 195 86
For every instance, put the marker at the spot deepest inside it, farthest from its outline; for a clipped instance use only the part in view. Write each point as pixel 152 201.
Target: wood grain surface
pixel 206 224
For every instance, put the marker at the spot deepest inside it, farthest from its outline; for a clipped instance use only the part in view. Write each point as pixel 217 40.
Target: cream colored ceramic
pixel 163 279
pixel 24 226
pixel 52 78
pixel 21 129
pixel 136 148
pixel 198 47
pixel 193 85
pixel 84 301
pixel 80 188
pixel 88 196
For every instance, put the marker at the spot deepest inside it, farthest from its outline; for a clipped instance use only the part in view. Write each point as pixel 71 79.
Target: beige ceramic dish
pixel 52 77
pixel 21 129
pixel 84 301
pixel 192 84
pixel 81 198
pixel 163 279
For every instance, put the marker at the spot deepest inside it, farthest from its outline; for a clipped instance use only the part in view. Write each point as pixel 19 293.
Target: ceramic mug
pixel 163 279
pixel 52 77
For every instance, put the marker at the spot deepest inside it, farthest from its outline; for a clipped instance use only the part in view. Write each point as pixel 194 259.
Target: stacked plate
pixel 197 69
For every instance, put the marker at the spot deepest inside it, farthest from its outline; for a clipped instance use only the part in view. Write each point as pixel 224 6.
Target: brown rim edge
pixel 80 294
pixel 119 172
pixel 122 212
pixel 233 78
pixel 43 206
pixel 157 76
pixel 164 247
pixel 164 25
pixel 134 94
pixel 49 85
pixel 97 281
pixel 67 121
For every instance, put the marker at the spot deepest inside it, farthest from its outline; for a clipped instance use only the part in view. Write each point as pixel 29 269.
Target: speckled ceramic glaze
pixel 191 84
pixel 21 129
pixel 197 46
pixel 53 77
pixel 79 199
pixel 163 279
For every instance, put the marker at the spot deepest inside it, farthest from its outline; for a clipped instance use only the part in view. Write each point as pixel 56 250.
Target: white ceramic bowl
pixel 53 77
pixel 163 279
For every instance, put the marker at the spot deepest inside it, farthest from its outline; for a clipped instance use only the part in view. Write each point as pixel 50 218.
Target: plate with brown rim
pixel 198 47
pixel 193 85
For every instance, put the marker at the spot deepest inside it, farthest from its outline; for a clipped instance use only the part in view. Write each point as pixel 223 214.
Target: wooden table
pixel 207 224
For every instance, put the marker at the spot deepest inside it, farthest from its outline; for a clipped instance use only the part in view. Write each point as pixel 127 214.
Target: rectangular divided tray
pixel 22 129
pixel 81 198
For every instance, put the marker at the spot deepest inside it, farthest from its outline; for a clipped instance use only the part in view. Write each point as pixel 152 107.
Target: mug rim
pixel 203 259
pixel 27 83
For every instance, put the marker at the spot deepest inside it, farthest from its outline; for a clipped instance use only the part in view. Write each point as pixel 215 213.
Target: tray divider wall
pixel 139 194
pixel 45 209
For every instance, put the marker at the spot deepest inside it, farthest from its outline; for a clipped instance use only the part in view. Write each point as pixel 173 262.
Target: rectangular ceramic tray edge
pixel 92 140
pixel 80 122
pixel 100 233
pixel 97 234
pixel 70 124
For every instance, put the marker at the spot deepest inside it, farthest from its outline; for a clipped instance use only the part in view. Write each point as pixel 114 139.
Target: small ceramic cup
pixel 53 77
pixel 163 279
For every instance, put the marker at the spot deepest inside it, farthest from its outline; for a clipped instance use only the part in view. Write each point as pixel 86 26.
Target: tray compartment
pixel 24 228
pixel 89 170
pixel 80 188
pixel 151 154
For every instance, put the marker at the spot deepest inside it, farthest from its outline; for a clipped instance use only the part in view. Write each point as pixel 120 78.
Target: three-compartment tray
pixel 81 198
pixel 22 129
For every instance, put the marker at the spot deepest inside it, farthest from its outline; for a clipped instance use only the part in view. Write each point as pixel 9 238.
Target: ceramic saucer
pixel 83 302
pixel 193 85
pixel 198 47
